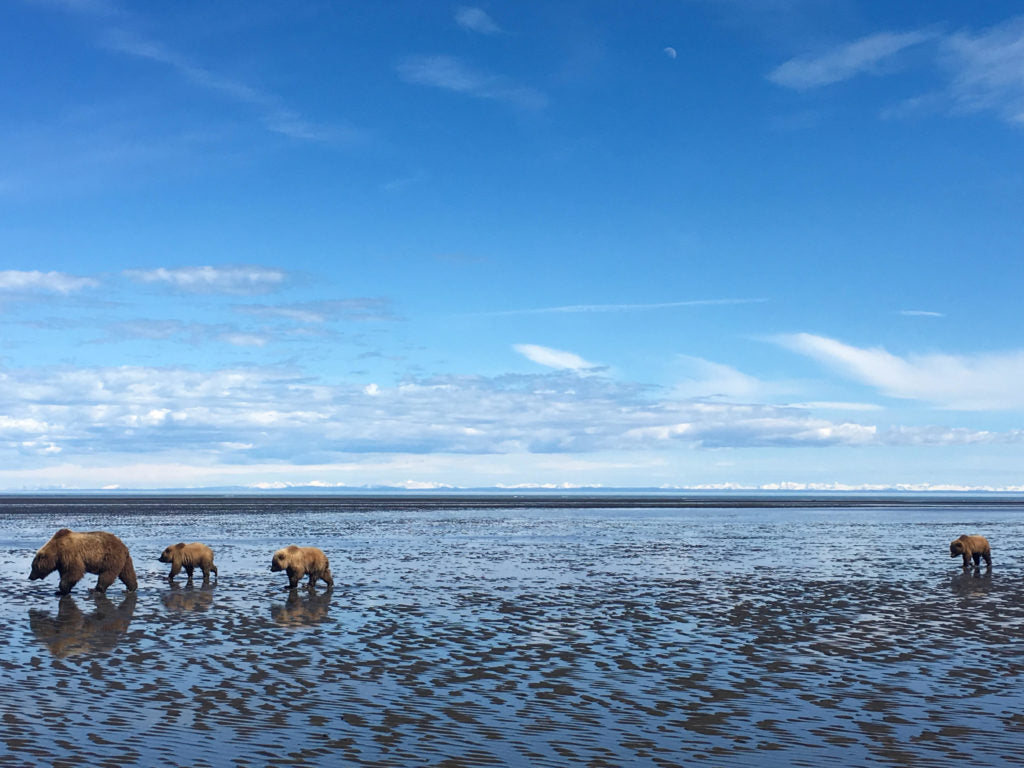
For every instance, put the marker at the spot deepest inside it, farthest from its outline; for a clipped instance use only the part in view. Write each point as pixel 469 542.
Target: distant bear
pixel 73 555
pixel 975 547
pixel 189 557
pixel 300 561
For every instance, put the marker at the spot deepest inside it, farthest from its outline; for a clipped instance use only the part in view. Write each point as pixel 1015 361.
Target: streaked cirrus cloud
pixel 867 54
pixel 208 279
pixel 452 74
pixel 964 382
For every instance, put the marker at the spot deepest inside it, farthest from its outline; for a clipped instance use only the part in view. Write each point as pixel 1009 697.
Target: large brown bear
pixel 189 557
pixel 975 547
pixel 73 555
pixel 300 561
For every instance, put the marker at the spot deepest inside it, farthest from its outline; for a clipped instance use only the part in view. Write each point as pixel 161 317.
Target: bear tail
pixel 127 574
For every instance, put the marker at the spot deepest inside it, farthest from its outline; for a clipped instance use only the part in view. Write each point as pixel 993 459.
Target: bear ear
pixel 62 532
pixel 293 548
pixel 180 545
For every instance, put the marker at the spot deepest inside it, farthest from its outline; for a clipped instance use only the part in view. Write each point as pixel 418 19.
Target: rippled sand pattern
pixel 521 637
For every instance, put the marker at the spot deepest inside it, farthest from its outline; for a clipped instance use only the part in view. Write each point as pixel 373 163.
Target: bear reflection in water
pixel 72 631
pixel 972 582
pixel 302 609
pixel 188 598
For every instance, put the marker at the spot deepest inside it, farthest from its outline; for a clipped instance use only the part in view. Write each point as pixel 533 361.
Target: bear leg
pixel 68 578
pixel 294 576
pixel 175 570
pixel 988 559
pixel 977 559
pixel 105 579
pixel 127 574
pixel 328 579
pixel 189 569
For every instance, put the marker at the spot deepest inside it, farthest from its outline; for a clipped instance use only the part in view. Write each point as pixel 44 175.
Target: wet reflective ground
pixel 523 637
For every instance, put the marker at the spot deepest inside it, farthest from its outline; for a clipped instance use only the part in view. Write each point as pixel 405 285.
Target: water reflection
pixel 972 582
pixel 189 597
pixel 71 631
pixel 303 608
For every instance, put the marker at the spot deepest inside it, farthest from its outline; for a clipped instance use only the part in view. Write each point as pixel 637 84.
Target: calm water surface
pixel 519 636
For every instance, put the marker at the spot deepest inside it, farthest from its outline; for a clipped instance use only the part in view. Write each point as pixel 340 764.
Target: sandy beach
pixel 519 636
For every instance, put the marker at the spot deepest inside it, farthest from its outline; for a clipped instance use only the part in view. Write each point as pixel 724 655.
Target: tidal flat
pixel 519 634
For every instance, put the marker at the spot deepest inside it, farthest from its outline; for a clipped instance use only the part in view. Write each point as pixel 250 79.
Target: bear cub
pixel 302 561
pixel 189 557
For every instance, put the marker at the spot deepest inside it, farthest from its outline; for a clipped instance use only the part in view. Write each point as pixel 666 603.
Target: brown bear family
pixel 74 554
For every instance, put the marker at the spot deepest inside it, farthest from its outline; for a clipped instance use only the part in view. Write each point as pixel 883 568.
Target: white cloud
pixel 864 55
pixel 553 358
pixel 272 113
pixel 920 313
pixel 319 312
pixel 452 74
pixel 587 308
pixel 965 382
pixel 207 279
pixel 17 281
pixel 988 69
pixel 476 20
pixel 710 379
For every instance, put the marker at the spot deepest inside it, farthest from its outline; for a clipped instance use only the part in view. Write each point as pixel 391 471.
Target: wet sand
pixel 520 636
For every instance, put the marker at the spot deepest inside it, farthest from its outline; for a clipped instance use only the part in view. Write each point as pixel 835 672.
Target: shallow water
pixel 519 636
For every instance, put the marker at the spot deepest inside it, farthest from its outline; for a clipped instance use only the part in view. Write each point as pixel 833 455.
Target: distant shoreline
pixel 530 500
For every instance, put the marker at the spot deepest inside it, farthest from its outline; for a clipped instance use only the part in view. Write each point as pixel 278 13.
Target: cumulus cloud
pixel 476 20
pixel 208 279
pixel 452 74
pixel 17 281
pixel 553 358
pixel 965 382
pixel 864 55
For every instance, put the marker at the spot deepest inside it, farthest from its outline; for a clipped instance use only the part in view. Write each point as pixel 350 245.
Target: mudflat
pixel 525 635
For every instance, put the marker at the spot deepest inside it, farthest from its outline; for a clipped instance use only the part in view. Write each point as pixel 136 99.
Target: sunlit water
pixel 519 636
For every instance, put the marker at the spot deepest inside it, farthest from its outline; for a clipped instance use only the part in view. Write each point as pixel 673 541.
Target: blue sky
pixel 761 244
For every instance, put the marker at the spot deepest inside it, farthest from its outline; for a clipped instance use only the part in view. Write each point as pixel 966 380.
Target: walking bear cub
pixel 975 547
pixel 73 555
pixel 189 557
pixel 302 561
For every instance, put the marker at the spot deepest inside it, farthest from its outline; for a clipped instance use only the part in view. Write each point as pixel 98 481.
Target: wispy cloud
pixel 208 279
pixel 119 36
pixel 476 20
pixel 319 312
pixel 553 358
pixel 867 54
pixel 17 281
pixel 988 69
pixel 584 308
pixel 964 382
pixel 274 115
pixel 452 74
pixel 920 313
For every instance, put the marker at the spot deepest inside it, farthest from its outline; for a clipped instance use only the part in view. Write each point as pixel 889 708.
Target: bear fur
pixel 73 555
pixel 302 561
pixel 189 557
pixel 971 547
